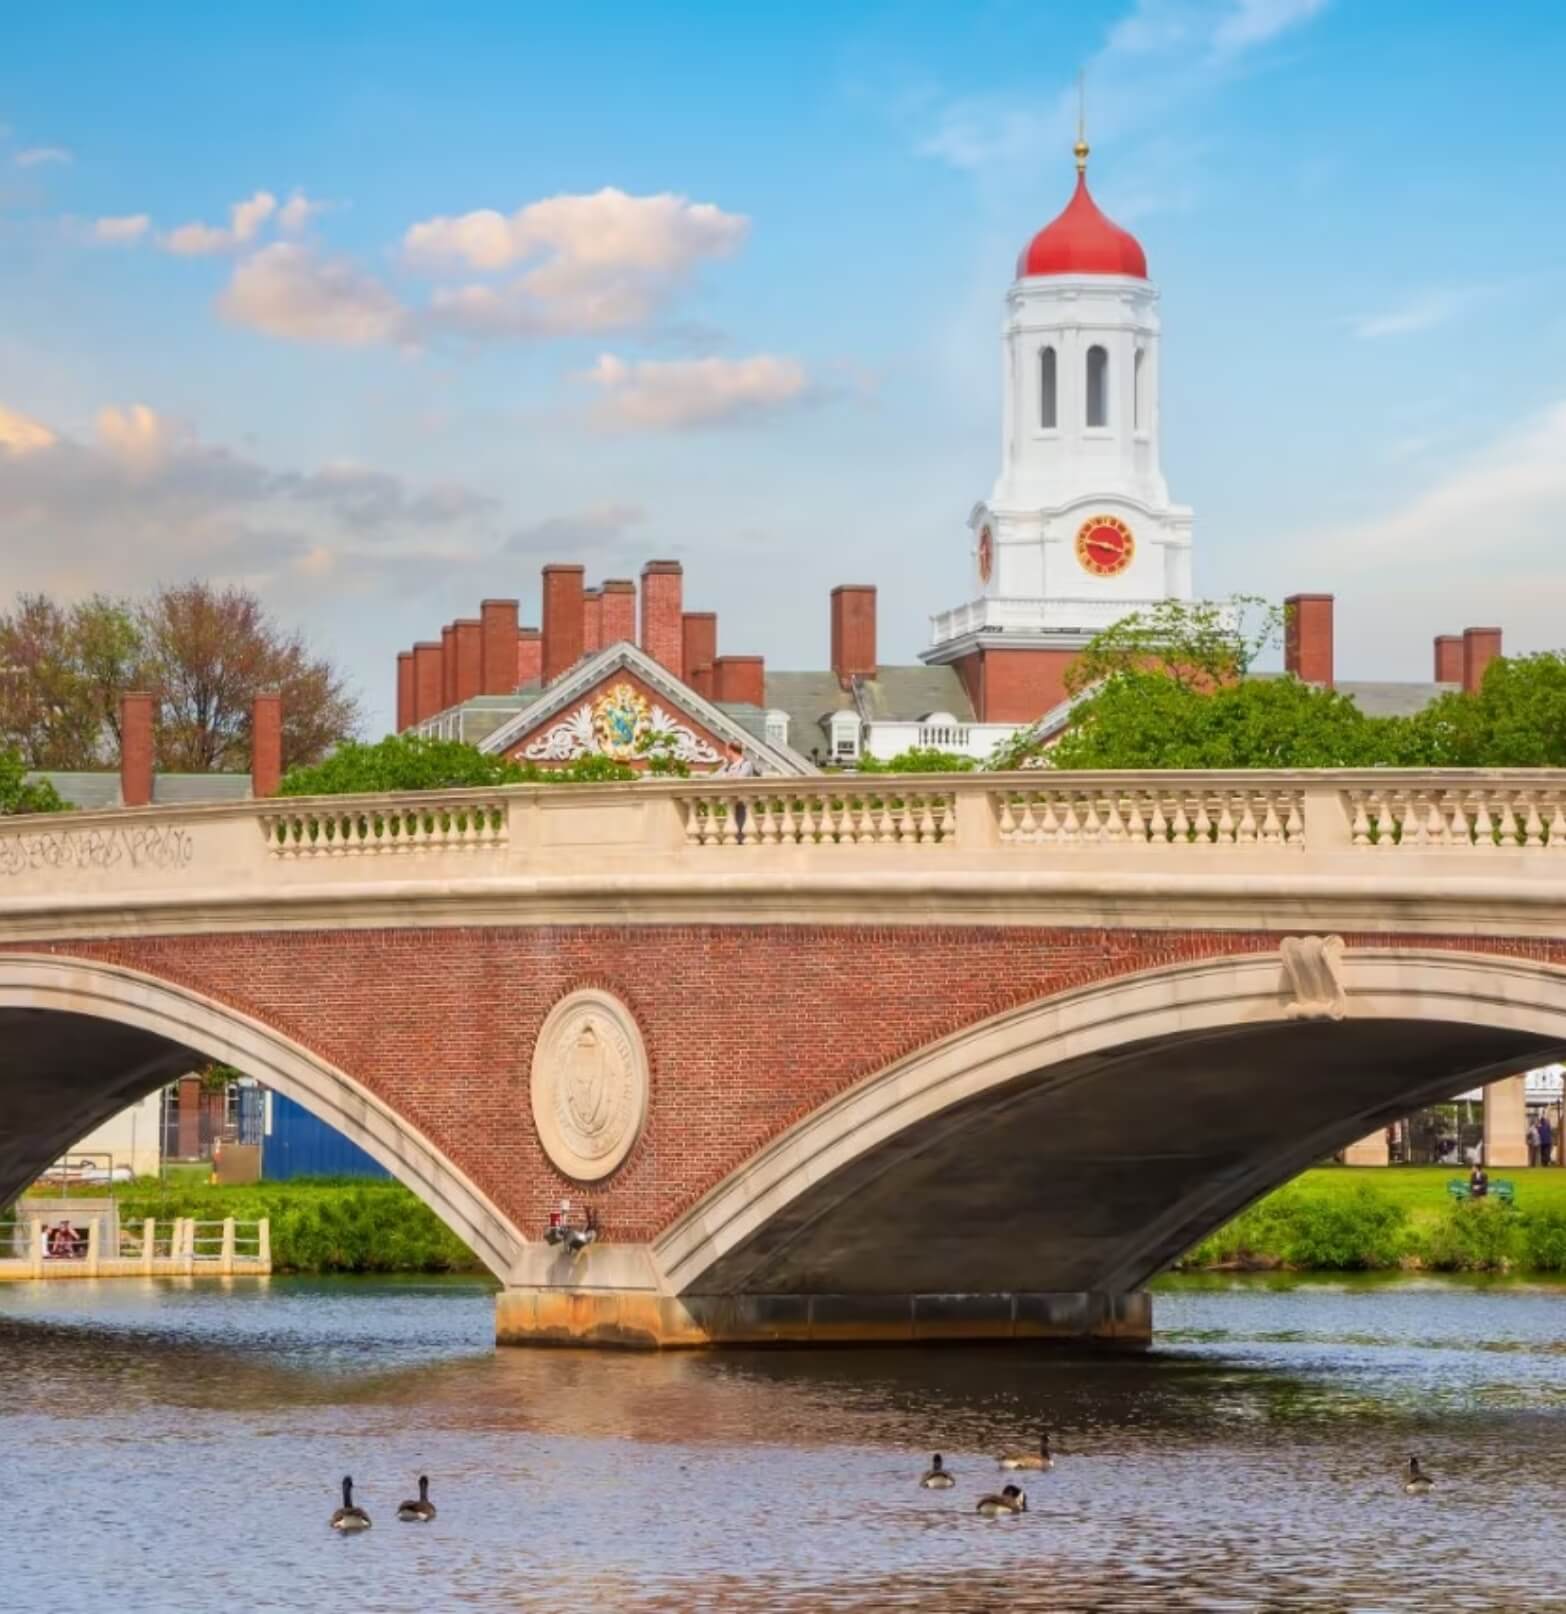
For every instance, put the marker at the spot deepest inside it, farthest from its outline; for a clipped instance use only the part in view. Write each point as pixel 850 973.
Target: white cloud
pixel 666 395
pixel 1254 22
pixel 297 212
pixel 245 221
pixel 20 435
pixel 289 291
pixel 137 436
pixel 1421 312
pixel 39 156
pixel 128 228
pixel 608 260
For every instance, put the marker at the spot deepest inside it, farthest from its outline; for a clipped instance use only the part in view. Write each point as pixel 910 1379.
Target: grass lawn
pixel 1421 1190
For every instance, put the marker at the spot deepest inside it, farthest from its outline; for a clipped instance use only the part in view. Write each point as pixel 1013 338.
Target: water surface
pixel 176 1446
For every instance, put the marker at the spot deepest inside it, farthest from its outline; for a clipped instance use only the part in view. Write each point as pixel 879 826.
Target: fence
pixel 32 1247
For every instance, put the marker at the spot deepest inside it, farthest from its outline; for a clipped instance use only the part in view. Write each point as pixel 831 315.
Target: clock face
pixel 986 554
pixel 1105 545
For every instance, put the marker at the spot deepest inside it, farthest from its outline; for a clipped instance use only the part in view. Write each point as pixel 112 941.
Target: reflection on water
pixel 176 1447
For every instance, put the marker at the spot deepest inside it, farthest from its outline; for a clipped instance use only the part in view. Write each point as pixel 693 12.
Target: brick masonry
pixel 748 1028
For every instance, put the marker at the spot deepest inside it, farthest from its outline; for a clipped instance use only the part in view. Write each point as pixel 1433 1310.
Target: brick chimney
pixel 1480 647
pixel 1449 658
pixel 740 678
pixel 426 679
pixel 562 620
pixel 699 649
pixel 619 611
pixel 266 745
pixel 448 665
pixel 470 658
pixel 136 749
pixel 853 632
pixel 404 689
pixel 530 656
pixel 663 591
pixel 498 647
pixel 592 620
pixel 1307 638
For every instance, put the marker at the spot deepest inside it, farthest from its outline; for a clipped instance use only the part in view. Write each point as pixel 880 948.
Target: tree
pixel 17 795
pixel 403 762
pixel 1196 644
pixel 208 653
pixel 919 759
pixel 1516 719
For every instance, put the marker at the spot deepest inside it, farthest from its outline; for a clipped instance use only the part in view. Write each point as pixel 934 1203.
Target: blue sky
pixel 511 284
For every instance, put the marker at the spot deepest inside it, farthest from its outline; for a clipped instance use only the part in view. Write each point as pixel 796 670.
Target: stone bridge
pixel 841 1060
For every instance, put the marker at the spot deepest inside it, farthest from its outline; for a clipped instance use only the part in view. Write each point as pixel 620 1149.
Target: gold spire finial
pixel 1081 147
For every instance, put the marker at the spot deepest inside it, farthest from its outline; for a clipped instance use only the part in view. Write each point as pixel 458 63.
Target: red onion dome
pixel 1081 241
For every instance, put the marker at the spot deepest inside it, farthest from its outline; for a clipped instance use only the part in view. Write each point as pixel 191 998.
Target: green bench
pixel 1504 1191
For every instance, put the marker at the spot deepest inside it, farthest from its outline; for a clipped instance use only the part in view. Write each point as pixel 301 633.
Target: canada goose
pixel 348 1517
pixel 1011 1500
pixel 1039 1462
pixel 1415 1480
pixel 937 1477
pixel 422 1511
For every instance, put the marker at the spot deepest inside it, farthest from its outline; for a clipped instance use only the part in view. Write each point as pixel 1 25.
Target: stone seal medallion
pixel 589 1084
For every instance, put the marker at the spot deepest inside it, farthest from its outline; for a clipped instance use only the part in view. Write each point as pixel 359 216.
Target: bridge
pixel 827 1060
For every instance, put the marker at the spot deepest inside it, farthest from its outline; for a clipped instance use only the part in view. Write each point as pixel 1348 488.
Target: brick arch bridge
pixel 974 1059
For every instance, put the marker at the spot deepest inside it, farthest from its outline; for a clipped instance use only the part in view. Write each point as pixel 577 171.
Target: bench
pixel 1504 1191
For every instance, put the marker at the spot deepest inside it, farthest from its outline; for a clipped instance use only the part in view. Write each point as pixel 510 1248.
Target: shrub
pixel 1330 1232
pixel 1473 1236
pixel 1543 1238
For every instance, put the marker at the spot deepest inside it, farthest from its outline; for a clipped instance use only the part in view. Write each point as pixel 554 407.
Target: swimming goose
pixel 1011 1500
pixel 422 1511
pixel 1415 1480
pixel 348 1517
pixel 1039 1462
pixel 937 1477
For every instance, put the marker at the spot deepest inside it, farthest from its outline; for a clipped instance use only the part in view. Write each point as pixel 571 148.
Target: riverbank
pixel 1343 1219
pixel 319 1225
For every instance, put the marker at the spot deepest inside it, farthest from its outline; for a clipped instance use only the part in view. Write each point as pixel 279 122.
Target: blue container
pixel 298 1144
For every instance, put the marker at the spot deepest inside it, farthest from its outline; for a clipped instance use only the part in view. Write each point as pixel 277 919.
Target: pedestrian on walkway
pixel 1533 1142
pixel 1546 1140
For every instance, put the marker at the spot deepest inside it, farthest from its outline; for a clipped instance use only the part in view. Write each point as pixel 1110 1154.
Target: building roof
pixel 895 694
pixel 99 789
pixel 1081 241
pixel 1391 699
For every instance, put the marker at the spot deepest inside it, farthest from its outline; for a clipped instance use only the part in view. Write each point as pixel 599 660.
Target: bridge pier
pixel 644 1319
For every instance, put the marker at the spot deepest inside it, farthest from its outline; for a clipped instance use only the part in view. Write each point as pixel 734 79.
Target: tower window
pixel 1139 391
pixel 1047 420
pixel 1097 386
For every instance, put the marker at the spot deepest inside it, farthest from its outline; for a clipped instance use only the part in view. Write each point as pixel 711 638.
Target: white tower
pixel 1079 529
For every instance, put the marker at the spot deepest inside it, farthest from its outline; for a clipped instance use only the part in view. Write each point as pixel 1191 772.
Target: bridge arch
pixel 1416 1025
pixel 160 1024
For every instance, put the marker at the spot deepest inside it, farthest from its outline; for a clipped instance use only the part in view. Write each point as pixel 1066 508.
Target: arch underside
pixel 80 1040
pixel 1171 1102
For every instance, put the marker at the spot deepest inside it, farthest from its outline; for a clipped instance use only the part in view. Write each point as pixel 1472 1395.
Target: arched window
pixel 1097 386
pixel 1047 389
pixel 1139 392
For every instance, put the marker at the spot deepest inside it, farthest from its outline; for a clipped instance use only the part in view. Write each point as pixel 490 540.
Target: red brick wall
pixel 619 611
pixel 1014 686
pixel 136 749
pixel 404 689
pixel 1449 658
pixel 266 744
pixel 448 666
pixel 497 653
pixel 663 594
pixel 1307 637
pixel 592 620
pixel 562 620
pixel 853 631
pixel 470 657
pixel 699 649
pixel 530 656
pixel 441 1023
pixel 426 679
pixel 740 678
pixel 1480 647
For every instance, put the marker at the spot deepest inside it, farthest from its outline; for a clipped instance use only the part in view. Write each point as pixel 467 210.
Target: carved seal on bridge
pixel 590 1084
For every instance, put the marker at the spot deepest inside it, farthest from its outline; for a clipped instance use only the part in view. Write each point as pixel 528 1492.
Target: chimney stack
pixel 498 647
pixel 740 679
pixel 563 620
pixel 530 656
pixel 699 649
pixel 404 689
pixel 426 680
pixel 663 590
pixel 1449 658
pixel 618 611
pixel 266 745
pixel 853 632
pixel 136 749
pixel 448 665
pixel 1307 638
pixel 1480 647
pixel 592 620
pixel 470 658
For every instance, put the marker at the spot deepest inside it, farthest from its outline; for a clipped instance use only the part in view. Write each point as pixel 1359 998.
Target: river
pixel 176 1446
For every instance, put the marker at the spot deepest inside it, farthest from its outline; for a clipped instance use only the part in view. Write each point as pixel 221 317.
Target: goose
pixel 937 1477
pixel 1415 1480
pixel 349 1517
pixel 1012 1499
pixel 422 1511
pixel 1039 1462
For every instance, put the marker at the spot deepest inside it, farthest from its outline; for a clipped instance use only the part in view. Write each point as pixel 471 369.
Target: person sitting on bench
pixel 1478 1182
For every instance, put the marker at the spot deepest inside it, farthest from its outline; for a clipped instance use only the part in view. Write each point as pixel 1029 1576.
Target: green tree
pixel 1516 719
pixel 17 795
pixel 403 762
pixel 919 759
pixel 1195 644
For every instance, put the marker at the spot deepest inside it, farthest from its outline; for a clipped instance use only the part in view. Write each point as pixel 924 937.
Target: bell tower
pixel 1078 529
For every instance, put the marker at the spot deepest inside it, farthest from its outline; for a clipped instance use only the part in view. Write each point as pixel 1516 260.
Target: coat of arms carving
pixel 589 1086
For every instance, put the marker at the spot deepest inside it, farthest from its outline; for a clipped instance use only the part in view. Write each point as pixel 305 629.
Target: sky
pixel 377 309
